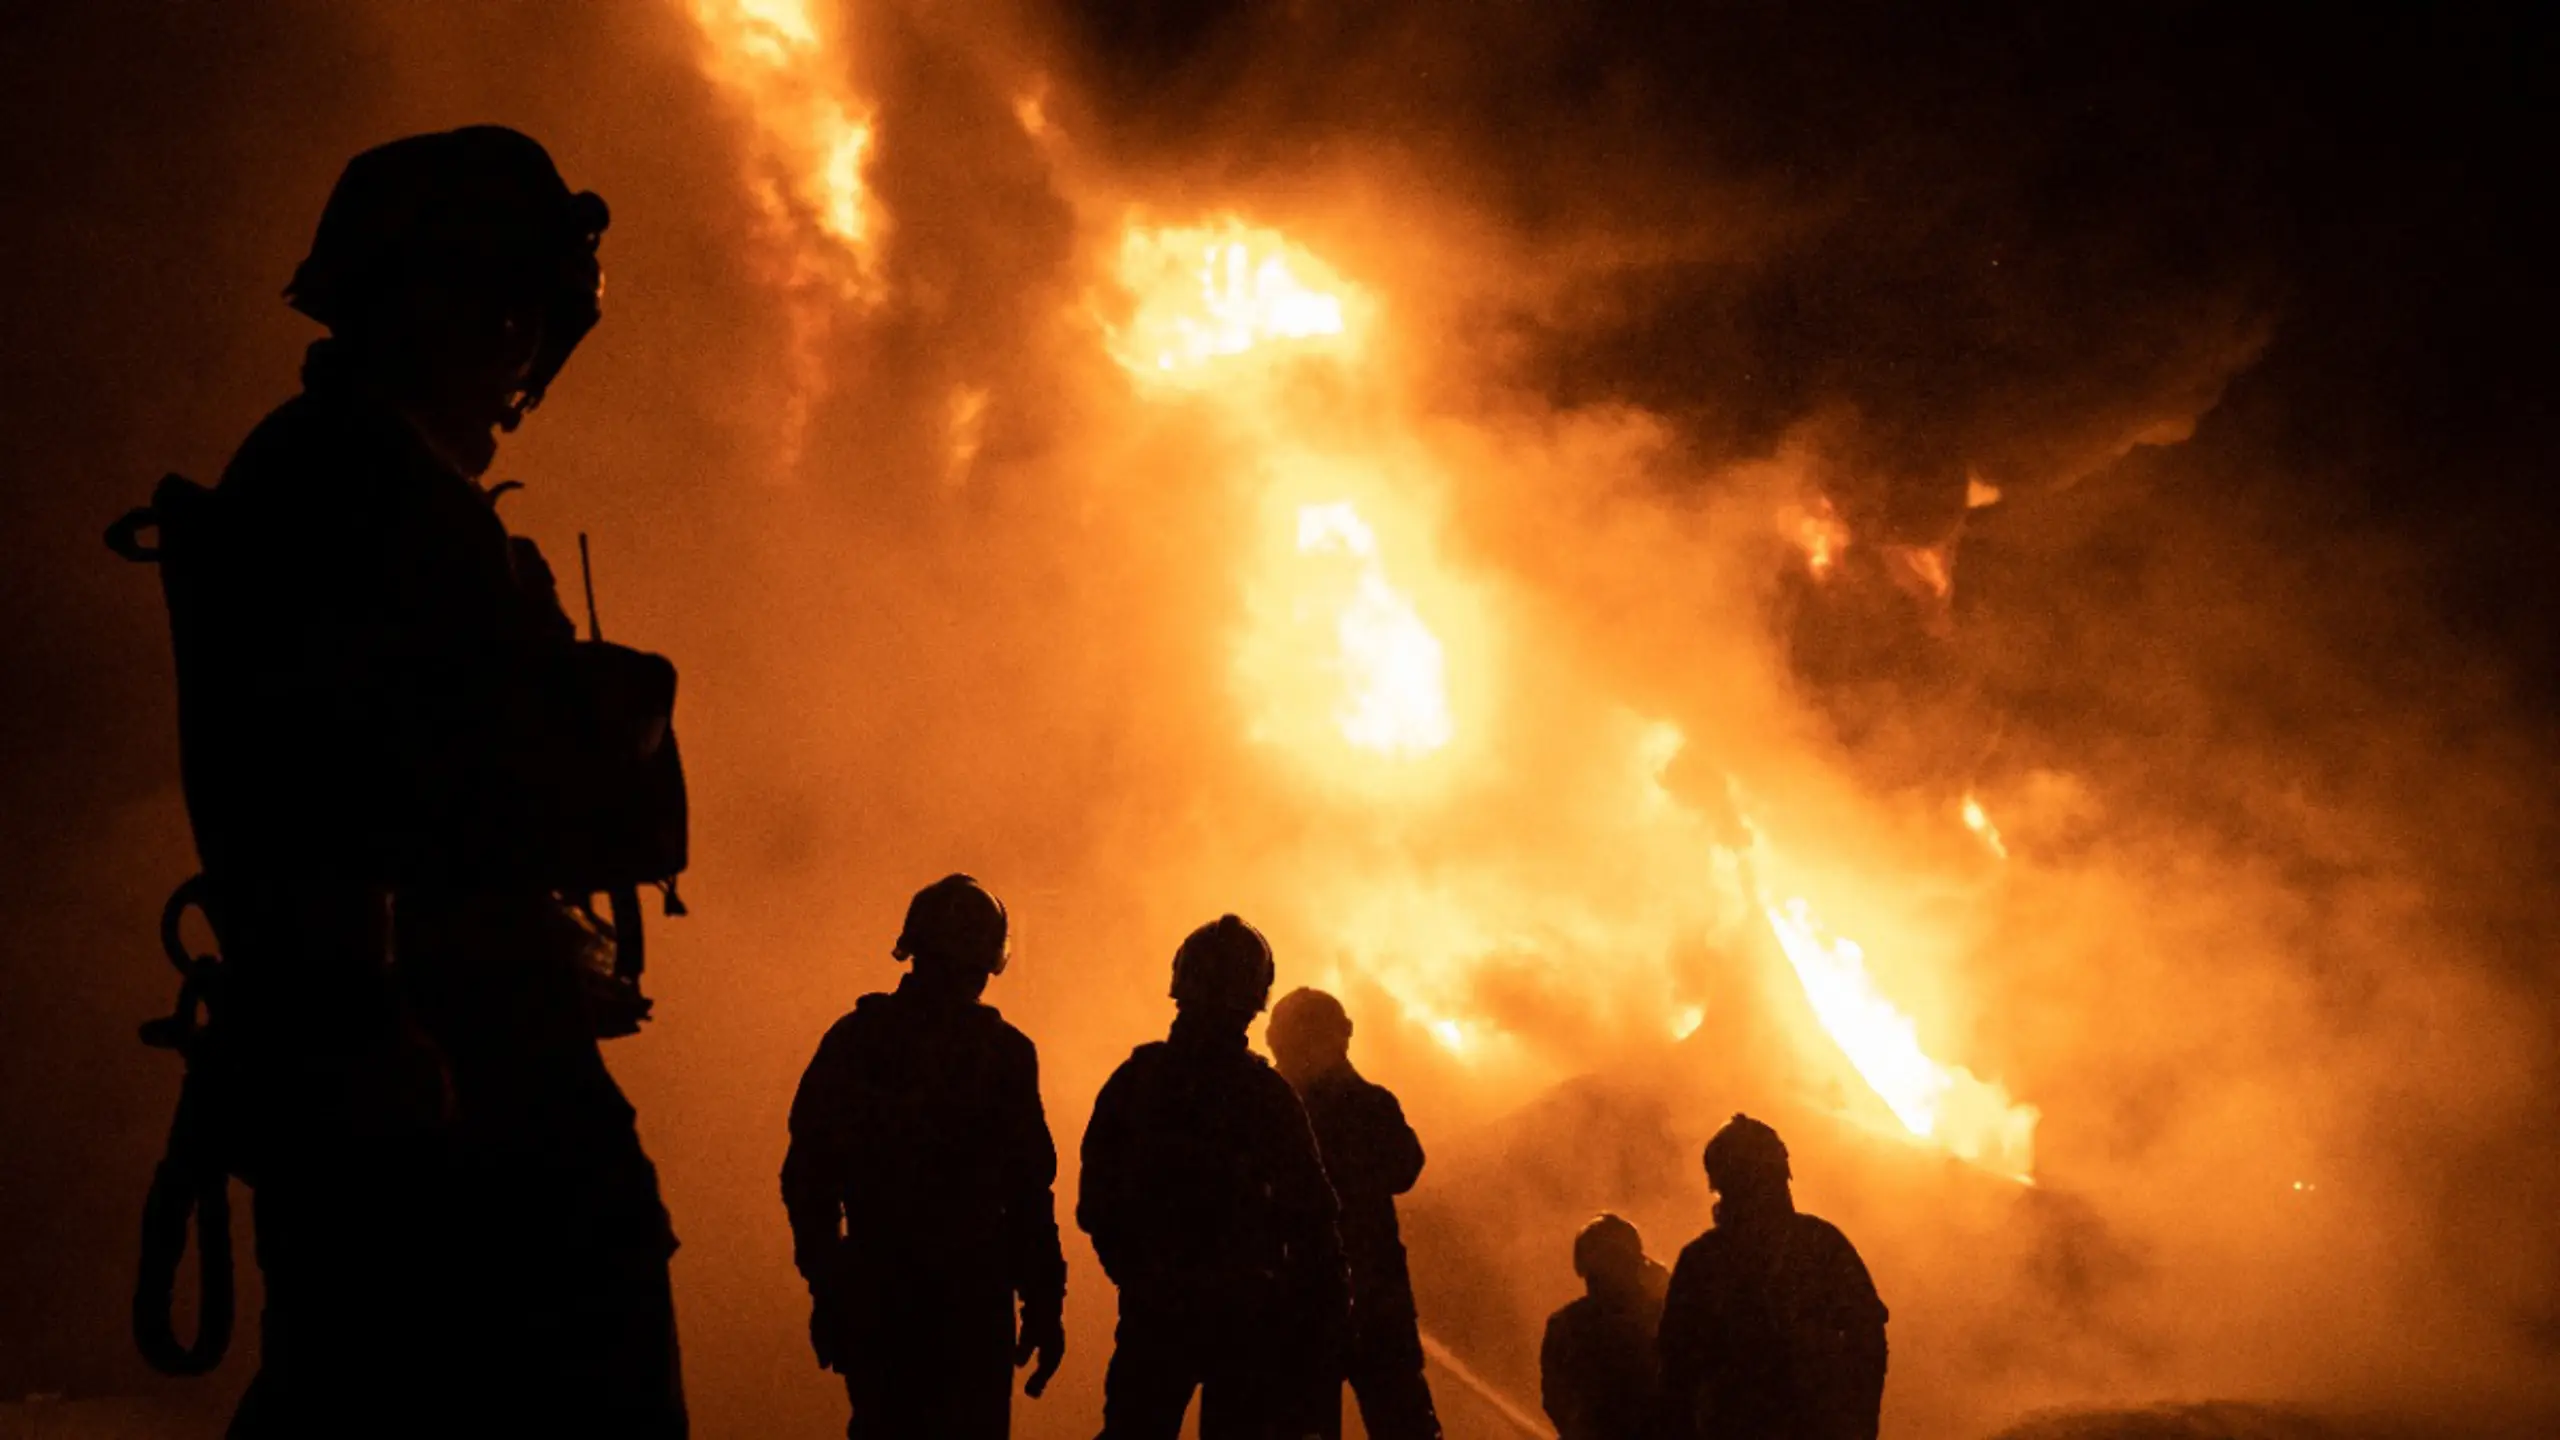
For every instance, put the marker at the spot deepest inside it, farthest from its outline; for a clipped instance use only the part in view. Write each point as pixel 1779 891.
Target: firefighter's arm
pixel 814 1173
pixel 1557 1393
pixel 1102 1201
pixel 1039 1265
pixel 1399 1151
pixel 1308 1196
pixel 1680 1346
pixel 1858 1318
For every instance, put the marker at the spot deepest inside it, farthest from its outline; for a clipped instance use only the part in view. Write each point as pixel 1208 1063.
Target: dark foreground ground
pixel 130 1419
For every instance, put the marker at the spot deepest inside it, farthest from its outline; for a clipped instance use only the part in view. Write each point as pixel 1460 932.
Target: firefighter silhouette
pixel 454 1215
pixel 919 1187
pixel 1208 1205
pixel 1372 1156
pixel 1772 1329
pixel 1597 1373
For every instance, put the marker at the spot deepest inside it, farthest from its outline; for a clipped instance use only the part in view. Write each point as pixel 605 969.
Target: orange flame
pixel 1974 1118
pixel 1211 293
pixel 1978 820
pixel 1341 669
pixel 1394 699
pixel 810 136
pixel 1819 532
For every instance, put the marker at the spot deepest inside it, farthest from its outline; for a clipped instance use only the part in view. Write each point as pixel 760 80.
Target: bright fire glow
pixel 1978 820
pixel 1211 292
pixel 1394 700
pixel 809 136
pixel 1341 670
pixel 1820 533
pixel 1974 1118
pixel 812 133
pixel 1922 570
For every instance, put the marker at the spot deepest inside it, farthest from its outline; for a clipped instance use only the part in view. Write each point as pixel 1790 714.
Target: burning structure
pixel 1662 608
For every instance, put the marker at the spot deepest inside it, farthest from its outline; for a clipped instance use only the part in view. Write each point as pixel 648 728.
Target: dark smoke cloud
pixel 2013 245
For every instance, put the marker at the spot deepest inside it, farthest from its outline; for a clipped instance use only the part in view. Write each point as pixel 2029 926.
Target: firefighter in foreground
pixel 458 1228
pixel 1207 1203
pixel 1596 1369
pixel 1772 1329
pixel 919 1187
pixel 1372 1156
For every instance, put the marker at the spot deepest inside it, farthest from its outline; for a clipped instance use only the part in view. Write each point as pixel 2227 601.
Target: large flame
pixel 1394 700
pixel 809 137
pixel 1344 672
pixel 1974 1118
pixel 812 134
pixel 1218 291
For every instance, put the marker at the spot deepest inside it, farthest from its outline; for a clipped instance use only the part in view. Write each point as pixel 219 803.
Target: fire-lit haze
pixel 1698 563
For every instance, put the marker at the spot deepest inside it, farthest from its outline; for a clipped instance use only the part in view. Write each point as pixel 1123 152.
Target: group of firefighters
pixel 1245 1209
pixel 408 777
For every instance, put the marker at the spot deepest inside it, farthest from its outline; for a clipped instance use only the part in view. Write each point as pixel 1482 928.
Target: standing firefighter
pixel 398 760
pixel 918 1183
pixel 1207 1203
pixel 1596 1369
pixel 1372 1156
pixel 1771 1330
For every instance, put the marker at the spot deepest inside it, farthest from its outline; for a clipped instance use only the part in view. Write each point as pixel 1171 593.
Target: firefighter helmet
pixel 955 921
pixel 1226 965
pixel 1607 1246
pixel 1311 1013
pixel 480 211
pixel 1743 1151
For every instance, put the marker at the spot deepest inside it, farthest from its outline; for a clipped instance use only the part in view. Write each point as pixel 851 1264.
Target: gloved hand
pixel 1044 1333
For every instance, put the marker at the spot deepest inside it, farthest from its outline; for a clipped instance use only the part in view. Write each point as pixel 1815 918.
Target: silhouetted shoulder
pixel 1144 1058
pixel 1008 1037
pixel 1822 1250
pixel 303 455
pixel 866 1015
pixel 1817 1234
pixel 1572 1318
pixel 1267 1076
pixel 1699 1253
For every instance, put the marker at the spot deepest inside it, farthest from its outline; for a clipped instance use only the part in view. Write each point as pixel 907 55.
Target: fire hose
pixel 1512 1413
pixel 192 1182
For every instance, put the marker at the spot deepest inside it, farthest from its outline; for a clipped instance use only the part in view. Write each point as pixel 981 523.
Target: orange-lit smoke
pixel 783 64
pixel 1214 308
pixel 1232 583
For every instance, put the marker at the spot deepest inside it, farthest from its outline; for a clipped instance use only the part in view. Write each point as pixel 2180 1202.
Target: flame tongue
pixel 1971 1117
pixel 1212 293
pixel 812 133
pixel 1394 700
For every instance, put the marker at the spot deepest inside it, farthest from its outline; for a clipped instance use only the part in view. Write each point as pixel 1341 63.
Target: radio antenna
pixel 587 577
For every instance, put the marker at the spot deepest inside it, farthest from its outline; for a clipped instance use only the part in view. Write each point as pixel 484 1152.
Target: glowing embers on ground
pixel 812 134
pixel 1971 1117
pixel 1212 292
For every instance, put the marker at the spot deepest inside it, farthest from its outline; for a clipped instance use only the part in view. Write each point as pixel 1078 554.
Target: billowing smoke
pixel 1791 425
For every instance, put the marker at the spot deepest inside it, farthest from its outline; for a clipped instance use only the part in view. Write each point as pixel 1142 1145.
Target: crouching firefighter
pixel 920 1188
pixel 408 780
